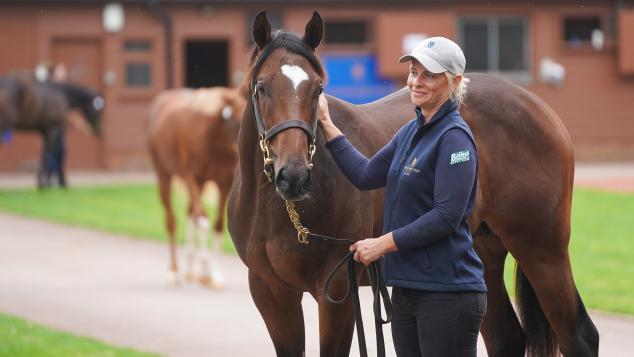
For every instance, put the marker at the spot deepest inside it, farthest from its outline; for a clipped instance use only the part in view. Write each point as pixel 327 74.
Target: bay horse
pixel 192 134
pixel 43 107
pixel 525 179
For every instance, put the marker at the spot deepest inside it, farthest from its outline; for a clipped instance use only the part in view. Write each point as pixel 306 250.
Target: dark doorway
pixel 206 63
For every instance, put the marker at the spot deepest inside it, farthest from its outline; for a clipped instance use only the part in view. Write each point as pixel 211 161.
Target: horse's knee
pixel 170 223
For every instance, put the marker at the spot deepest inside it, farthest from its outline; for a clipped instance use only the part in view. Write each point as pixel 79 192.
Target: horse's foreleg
pixel 164 181
pixel 281 309
pixel 189 249
pixel 550 277
pixel 501 330
pixel 219 225
pixel 199 217
pixel 43 177
pixel 336 327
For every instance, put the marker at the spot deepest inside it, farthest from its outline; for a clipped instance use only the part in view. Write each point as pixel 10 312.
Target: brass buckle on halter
pixel 311 152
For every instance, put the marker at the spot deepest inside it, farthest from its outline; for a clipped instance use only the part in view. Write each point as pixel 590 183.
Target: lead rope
pixel 379 289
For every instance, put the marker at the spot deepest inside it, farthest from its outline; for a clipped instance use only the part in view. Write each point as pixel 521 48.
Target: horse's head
pixel 91 108
pixel 88 101
pixel 285 84
pixel 232 111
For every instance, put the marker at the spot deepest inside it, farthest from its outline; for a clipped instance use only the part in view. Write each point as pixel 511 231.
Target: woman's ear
pixel 456 80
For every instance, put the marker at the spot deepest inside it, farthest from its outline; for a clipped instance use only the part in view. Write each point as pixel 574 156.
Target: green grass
pixel 23 338
pixel 601 246
pixel 601 249
pixel 132 210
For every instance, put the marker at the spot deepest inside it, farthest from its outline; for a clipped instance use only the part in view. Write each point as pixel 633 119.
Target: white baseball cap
pixel 438 54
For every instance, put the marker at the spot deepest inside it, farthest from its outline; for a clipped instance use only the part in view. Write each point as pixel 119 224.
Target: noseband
pixel 267 135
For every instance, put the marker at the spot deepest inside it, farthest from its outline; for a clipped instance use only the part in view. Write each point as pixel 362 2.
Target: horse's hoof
pixel 173 279
pixel 215 281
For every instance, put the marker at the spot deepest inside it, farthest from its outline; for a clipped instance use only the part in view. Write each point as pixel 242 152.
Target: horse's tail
pixel 540 337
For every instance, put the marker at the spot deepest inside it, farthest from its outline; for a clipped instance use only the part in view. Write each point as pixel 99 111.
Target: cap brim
pixel 427 62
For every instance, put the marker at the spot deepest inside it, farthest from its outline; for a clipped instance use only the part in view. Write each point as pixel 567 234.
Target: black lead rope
pixel 379 291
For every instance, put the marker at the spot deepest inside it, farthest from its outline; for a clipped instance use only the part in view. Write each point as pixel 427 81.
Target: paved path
pixel 113 288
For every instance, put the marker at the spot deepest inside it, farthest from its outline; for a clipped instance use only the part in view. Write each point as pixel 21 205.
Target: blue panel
pixel 354 78
pixel 5 137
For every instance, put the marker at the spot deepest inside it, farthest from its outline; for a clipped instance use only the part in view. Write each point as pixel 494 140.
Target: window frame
pixel 607 23
pixel 138 56
pixel 493 50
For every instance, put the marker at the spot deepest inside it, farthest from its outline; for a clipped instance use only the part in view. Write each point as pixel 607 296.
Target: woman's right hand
pixel 322 112
pixel 323 116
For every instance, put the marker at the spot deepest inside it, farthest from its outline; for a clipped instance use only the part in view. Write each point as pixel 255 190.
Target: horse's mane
pixel 281 39
pixel 72 90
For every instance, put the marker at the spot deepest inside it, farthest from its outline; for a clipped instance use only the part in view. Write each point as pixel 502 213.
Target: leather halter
pixel 267 135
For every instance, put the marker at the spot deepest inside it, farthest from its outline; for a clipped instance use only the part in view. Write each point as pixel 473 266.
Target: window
pixel 137 74
pixel 137 46
pixel 346 32
pixel 582 31
pixel 496 44
pixel 138 70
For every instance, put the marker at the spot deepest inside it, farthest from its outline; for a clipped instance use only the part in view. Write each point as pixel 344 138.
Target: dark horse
pixel 525 179
pixel 27 105
pixel 192 134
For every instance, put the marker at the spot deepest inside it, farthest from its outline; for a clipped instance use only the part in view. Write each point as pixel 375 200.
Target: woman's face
pixel 427 90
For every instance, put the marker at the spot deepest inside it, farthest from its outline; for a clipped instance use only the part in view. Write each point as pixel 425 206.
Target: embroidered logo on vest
pixel 411 168
pixel 460 156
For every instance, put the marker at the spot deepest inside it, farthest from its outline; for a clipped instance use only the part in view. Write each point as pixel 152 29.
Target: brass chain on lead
pixel 264 146
pixel 302 232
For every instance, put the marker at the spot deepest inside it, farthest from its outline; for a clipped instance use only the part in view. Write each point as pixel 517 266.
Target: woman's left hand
pixel 371 249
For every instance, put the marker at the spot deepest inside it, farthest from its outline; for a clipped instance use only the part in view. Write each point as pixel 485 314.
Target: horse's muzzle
pixel 292 182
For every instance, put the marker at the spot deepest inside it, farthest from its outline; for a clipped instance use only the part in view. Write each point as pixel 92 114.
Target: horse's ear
pixel 261 30
pixel 314 31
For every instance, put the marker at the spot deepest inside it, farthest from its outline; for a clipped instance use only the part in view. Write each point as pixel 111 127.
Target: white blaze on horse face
pixel 227 113
pixel 295 73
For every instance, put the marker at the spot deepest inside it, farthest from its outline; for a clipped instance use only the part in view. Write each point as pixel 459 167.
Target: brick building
pixel 178 43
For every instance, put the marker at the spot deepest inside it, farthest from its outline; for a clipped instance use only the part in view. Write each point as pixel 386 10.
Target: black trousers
pixel 434 324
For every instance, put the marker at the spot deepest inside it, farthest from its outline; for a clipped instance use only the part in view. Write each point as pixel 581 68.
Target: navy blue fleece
pixel 429 171
pixel 451 190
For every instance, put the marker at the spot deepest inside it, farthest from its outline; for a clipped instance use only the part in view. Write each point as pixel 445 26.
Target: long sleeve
pixel 455 173
pixel 364 173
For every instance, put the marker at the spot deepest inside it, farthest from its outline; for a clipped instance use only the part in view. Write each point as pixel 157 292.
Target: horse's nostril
pixel 280 178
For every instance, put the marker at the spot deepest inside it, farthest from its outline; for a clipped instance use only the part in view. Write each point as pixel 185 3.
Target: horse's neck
pixel 248 149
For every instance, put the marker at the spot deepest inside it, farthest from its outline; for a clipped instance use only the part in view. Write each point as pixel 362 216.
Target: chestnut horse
pixel 525 179
pixel 192 134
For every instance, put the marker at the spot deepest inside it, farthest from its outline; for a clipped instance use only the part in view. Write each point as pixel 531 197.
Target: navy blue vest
pixel 450 263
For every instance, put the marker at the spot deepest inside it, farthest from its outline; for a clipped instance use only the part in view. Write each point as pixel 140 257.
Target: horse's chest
pixel 285 259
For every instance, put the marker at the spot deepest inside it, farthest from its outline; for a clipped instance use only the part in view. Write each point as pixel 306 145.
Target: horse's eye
pixel 320 90
pixel 261 90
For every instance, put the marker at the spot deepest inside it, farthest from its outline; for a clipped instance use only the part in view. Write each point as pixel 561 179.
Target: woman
pixel 429 170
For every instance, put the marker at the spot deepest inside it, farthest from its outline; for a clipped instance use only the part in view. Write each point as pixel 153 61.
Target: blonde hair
pixel 457 94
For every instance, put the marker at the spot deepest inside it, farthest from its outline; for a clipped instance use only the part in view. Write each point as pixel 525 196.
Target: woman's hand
pixel 323 115
pixel 371 249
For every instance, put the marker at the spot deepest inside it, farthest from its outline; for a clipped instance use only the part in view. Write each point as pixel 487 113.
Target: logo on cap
pixel 431 44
